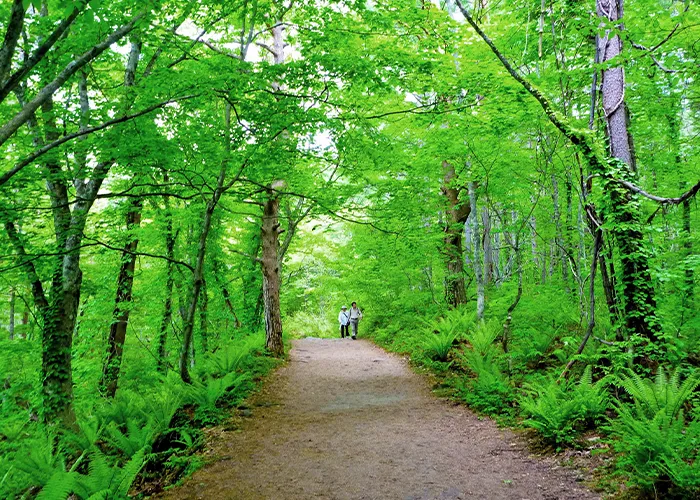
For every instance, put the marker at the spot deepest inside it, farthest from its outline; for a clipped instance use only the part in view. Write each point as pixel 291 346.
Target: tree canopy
pixel 185 185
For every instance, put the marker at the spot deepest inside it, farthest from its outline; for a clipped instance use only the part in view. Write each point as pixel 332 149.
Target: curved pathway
pixel 346 420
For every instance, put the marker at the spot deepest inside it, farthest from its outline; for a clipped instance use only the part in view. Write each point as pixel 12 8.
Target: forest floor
pixel 345 420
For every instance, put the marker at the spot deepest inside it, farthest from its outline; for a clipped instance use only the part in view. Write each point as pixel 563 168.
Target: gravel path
pixel 346 420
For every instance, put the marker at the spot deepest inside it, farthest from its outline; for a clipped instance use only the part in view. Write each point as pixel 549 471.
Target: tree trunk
pixel 269 262
pixel 270 231
pixel 198 275
pixel 488 248
pixel 161 353
pixel 613 85
pixel 11 323
pixel 635 278
pixel 203 319
pixel 480 289
pixel 496 252
pixel 457 213
pixel 505 339
pixel 125 279
pixel 122 306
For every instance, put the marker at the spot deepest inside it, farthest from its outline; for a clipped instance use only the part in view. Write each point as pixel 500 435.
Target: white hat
pixel 344 307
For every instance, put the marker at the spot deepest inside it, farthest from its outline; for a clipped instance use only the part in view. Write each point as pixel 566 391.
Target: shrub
pixel 489 392
pixel 658 449
pixel 437 346
pixel 102 480
pixel 482 338
pixel 559 412
pixel 441 334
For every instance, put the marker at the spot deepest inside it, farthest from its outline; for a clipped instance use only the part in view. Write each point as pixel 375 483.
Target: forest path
pixel 345 420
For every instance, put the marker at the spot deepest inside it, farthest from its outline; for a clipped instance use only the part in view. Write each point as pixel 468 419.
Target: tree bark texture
pixel 270 265
pixel 635 278
pixel 480 289
pixel 613 85
pixel 457 212
pixel 12 34
pixel 122 305
pixel 125 278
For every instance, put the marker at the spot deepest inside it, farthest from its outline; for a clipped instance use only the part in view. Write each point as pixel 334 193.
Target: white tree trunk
pixel 480 289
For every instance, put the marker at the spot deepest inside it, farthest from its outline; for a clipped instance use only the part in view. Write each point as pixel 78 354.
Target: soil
pixel 345 420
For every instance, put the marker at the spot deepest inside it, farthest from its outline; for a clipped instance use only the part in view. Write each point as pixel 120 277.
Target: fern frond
pixel 587 376
pixel 59 486
pixel 128 473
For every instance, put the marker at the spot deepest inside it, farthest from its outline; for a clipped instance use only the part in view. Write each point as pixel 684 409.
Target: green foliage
pixel 658 448
pixel 102 480
pixel 665 394
pixel 205 395
pixel 489 391
pixel 438 345
pixel 482 338
pixel 365 212
pixel 559 410
pixel 233 357
pixel 306 324
pixel 137 435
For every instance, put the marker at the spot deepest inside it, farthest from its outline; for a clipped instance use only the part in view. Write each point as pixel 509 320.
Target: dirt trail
pixel 346 420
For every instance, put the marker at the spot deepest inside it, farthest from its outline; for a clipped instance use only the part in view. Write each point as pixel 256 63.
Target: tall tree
pixel 457 211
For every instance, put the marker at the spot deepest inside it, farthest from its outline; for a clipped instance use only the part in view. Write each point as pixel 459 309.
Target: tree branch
pixel 141 254
pixel 75 65
pixel 665 201
pixel 48 147
pixel 39 53
pixel 12 34
pixel 34 281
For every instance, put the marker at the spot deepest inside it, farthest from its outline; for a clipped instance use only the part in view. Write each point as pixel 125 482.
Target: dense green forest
pixel 506 188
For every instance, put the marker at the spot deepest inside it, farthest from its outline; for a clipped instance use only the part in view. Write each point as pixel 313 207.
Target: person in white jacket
pixel 344 320
pixel 355 317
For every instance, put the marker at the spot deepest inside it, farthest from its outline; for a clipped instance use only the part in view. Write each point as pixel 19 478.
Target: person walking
pixel 344 320
pixel 355 317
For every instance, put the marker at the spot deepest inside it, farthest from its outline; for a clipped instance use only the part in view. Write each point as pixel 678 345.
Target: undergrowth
pixel 140 441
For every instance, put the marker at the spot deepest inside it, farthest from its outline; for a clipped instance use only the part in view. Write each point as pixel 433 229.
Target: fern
pixel 59 486
pixel 490 392
pixel 230 359
pixel 90 431
pixel 206 395
pixel 42 462
pixel 663 394
pixel 655 444
pixel 441 334
pixel 129 472
pixel 138 435
pixel 560 412
pixel 125 407
pixel 483 337
pixel 437 346
pixel 162 409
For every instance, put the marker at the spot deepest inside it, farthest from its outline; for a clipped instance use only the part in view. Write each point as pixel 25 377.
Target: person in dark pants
pixel 355 317
pixel 344 320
